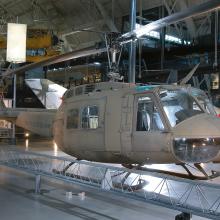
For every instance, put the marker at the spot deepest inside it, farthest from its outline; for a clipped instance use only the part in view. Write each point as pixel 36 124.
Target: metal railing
pixel 188 196
pixel 5 133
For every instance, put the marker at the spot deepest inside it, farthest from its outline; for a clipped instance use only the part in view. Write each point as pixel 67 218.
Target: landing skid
pixel 63 172
pixel 189 174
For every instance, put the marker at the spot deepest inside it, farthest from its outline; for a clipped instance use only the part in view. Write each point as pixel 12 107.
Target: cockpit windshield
pixel 179 105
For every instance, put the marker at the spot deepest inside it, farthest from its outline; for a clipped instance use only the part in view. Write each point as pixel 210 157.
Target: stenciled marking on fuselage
pixel 145 88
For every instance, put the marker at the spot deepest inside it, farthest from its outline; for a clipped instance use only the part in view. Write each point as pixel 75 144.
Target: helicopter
pixel 127 123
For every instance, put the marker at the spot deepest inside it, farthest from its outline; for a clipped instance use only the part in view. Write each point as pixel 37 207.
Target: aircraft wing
pixel 38 121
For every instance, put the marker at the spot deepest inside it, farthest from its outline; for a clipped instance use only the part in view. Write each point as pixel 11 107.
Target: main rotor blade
pixel 53 60
pixel 179 16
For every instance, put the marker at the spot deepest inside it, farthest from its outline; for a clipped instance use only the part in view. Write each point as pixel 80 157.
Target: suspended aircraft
pixel 127 123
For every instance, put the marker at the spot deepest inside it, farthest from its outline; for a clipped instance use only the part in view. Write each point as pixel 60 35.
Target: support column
pixel 132 51
pixel 162 41
pixel 140 43
pixel 106 183
pixel 216 39
pixel 37 184
pixel 13 139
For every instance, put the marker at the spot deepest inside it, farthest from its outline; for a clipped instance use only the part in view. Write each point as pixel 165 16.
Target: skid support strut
pixel 183 216
pixel 37 184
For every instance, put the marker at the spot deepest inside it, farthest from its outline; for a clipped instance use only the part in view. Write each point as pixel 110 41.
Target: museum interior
pixel 109 110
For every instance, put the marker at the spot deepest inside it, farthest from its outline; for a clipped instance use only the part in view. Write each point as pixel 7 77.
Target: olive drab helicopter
pixel 127 123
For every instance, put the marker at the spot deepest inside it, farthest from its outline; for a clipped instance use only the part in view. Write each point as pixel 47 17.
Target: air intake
pixel 79 91
pixel 89 88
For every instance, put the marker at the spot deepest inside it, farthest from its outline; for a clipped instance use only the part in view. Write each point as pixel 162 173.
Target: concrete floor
pixel 18 201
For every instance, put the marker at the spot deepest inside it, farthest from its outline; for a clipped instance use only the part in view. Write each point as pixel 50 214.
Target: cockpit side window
pixel 90 117
pixel 148 117
pixel 206 104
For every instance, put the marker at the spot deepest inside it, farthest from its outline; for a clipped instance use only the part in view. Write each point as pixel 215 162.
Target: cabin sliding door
pixel 149 137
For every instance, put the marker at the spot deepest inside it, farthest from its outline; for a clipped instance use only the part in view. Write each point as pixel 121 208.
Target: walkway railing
pixel 188 196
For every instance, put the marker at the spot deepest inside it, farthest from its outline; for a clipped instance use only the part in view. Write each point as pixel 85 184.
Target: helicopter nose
pixel 197 139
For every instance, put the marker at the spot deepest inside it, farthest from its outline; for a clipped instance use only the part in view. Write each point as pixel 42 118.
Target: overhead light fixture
pixel 27 134
pixel 97 63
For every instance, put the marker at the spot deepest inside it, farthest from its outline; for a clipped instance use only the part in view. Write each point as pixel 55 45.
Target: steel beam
pixel 170 12
pixel 106 17
pixel 189 22
pixel 88 26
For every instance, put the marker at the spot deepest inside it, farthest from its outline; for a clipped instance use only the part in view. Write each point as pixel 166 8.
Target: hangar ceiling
pixel 77 24
pixel 67 17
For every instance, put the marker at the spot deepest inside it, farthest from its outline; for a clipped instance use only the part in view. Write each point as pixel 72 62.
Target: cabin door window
pixel 148 117
pixel 72 119
pixel 90 118
pixel 149 139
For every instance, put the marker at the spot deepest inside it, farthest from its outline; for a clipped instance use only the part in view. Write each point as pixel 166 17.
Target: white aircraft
pixel 49 93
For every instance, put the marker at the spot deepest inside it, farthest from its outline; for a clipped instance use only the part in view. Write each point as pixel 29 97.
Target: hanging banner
pixel 16 43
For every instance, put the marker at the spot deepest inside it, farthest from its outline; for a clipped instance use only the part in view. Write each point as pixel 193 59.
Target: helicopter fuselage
pixel 126 123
